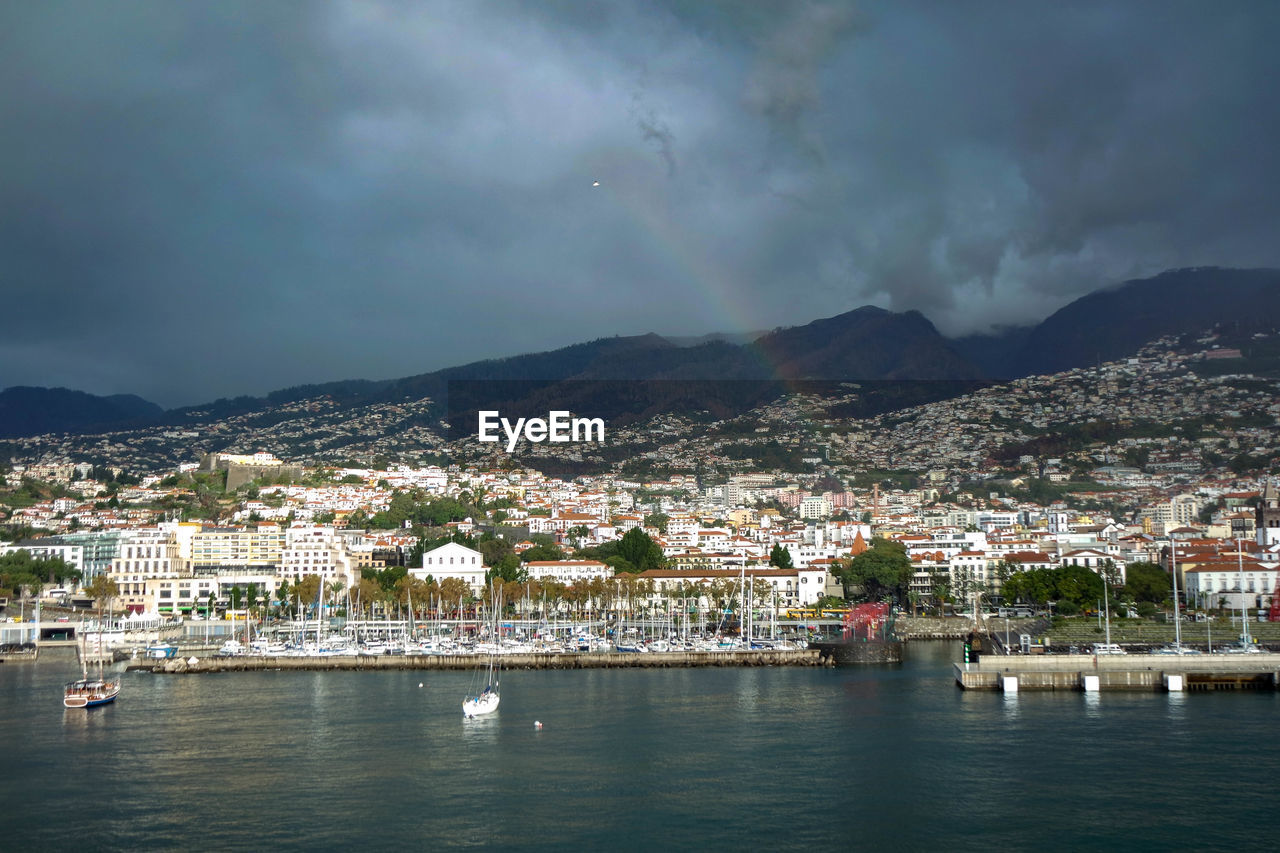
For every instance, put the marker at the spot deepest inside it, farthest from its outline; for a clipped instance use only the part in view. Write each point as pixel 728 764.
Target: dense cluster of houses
pixel 174 567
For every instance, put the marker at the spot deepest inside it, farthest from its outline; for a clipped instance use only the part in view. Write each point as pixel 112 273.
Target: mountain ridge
pixel 866 343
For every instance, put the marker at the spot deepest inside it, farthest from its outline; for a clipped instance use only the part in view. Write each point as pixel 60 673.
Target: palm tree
pixel 335 589
pixel 103 589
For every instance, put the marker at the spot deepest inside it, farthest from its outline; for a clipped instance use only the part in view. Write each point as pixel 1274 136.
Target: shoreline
pixel 577 660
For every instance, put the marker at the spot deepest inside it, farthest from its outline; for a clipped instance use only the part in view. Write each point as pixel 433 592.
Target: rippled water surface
pixel 712 759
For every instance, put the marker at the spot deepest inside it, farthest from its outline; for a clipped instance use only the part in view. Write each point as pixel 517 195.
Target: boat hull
pixel 476 706
pixel 90 694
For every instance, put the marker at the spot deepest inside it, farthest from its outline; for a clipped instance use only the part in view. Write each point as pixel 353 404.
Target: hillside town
pixel 1149 460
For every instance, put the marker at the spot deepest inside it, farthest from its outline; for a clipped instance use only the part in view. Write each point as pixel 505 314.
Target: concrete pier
pixel 1121 672
pixel 580 660
pixel 858 653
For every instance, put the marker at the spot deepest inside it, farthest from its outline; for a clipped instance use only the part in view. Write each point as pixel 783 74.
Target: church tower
pixel 1268 516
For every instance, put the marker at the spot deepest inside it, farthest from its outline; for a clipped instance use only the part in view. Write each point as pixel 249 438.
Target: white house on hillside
pixel 453 561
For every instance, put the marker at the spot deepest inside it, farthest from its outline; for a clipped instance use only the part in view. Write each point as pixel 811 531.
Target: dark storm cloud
pixel 208 199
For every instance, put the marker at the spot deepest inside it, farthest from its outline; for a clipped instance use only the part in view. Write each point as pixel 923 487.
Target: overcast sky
pixel 209 199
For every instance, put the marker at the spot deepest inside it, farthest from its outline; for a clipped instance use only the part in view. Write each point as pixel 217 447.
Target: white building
pixel 452 560
pixel 567 572
pixel 260 545
pixel 146 555
pixel 784 588
pixel 1230 584
pixel 815 507
pixel 316 551
pixel 184 595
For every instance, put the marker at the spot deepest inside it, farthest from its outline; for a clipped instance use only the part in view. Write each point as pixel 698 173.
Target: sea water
pixel 893 758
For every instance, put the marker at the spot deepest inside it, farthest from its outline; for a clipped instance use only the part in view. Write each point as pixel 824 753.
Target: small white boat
pixel 90 693
pixel 486 700
pixel 484 703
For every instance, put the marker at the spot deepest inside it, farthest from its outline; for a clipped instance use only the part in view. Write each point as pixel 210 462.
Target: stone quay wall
pixel 588 660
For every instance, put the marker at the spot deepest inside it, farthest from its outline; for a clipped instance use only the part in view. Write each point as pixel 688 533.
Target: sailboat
pixel 91 692
pixel 486 700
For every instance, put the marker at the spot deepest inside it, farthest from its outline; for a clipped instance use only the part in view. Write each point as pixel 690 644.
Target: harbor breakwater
pixel 579 660
pixel 1120 672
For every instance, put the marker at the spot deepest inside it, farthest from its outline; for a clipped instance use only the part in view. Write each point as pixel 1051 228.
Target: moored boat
pixel 486 700
pixel 90 693
pixel 159 651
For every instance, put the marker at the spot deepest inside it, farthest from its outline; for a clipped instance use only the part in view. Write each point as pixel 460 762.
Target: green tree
pixel 542 552
pixel 780 556
pixel 577 533
pixel 494 548
pixel 366 593
pixel 508 568
pixel 658 520
pixel 1000 574
pixel 1147 582
pixel 102 589
pixel 620 565
pixel 307 590
pixel 387 578
pixel 413 556
pixel 939 587
pixel 639 550
pixel 454 591
pixel 882 570
pixel 18 569
pixel 413 590
pixel 1079 585
pixel 1066 607
pixel 283 593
